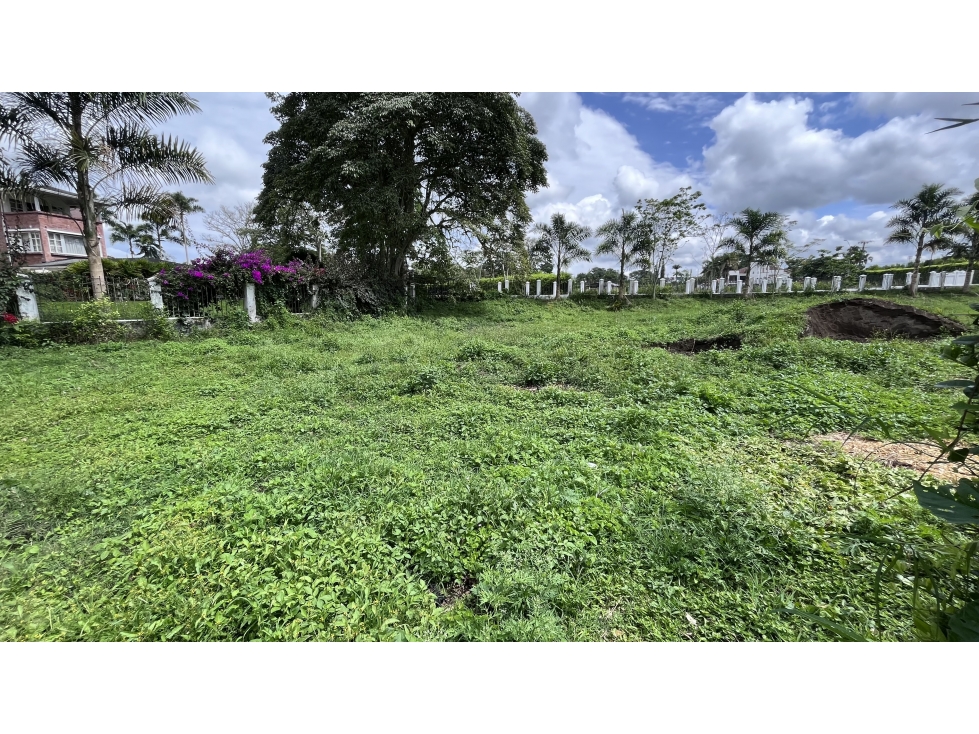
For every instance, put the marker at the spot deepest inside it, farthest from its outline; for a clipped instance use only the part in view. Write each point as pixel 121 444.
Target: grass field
pixel 504 470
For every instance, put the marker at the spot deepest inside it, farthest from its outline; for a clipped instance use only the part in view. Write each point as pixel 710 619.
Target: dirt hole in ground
pixel 914 457
pixel 861 319
pixel 692 346
pixel 447 595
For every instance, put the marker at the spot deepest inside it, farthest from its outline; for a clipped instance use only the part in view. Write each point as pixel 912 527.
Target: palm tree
pixel 967 244
pixel 561 239
pixel 622 237
pixel 101 145
pixel 181 205
pixel 129 233
pixel 921 219
pixel 159 220
pixel 758 236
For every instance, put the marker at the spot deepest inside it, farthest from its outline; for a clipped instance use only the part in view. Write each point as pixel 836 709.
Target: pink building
pixel 50 226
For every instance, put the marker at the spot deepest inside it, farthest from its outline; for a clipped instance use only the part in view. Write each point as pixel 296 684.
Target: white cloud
pixel 767 155
pixel 595 166
pixel 696 103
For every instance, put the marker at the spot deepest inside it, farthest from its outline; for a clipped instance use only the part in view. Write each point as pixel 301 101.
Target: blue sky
pixel 834 162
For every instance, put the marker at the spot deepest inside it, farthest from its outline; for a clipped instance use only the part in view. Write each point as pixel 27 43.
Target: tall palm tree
pixel 561 239
pixel 921 220
pixel 159 219
pixel 623 237
pixel 129 233
pixel 758 237
pixel 967 243
pixel 101 145
pixel 180 206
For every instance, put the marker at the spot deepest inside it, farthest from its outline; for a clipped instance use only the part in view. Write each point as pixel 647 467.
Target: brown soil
pixel 448 595
pixel 692 346
pixel 914 457
pixel 860 319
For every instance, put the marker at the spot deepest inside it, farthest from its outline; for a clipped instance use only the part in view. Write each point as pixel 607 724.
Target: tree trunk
pixel 968 274
pixel 557 274
pixel 86 199
pixel 622 276
pixel 913 288
pixel 747 272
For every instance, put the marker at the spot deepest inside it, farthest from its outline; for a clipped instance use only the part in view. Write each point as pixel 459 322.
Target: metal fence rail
pixel 201 301
pixel 59 295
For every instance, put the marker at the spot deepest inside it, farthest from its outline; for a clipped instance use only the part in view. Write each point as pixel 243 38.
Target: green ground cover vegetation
pixel 498 470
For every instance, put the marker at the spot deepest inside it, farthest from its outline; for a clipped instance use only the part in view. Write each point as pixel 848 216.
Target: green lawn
pixel 505 470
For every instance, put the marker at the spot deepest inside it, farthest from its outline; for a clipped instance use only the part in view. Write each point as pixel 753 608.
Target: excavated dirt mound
pixel 860 319
pixel 692 346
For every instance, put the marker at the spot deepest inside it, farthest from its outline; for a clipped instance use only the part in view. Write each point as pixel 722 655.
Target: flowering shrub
pixel 227 271
pixel 9 318
pixel 340 283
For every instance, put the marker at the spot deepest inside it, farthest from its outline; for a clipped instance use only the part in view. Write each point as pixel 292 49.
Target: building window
pixel 65 244
pixel 16 205
pixel 52 208
pixel 31 241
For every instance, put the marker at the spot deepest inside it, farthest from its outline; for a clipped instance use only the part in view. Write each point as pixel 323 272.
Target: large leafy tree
pixel 667 223
pixel 759 237
pixel 925 220
pixel 562 240
pixel 100 145
pixel 393 173
pixel 625 238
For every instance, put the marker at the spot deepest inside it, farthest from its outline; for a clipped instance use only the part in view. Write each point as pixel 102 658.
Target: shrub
pixel 96 322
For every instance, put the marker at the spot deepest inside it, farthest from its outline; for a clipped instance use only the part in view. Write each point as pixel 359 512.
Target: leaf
pixel 964 624
pixel 845 632
pixel 958 455
pixel 956 383
pixel 967 340
pixel 955 504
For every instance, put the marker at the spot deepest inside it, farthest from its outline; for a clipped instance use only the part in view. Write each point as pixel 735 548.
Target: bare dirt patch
pixel 446 596
pixel 861 319
pixel 693 346
pixel 914 457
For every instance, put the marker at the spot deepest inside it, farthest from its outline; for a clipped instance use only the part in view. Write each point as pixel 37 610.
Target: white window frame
pixel 58 244
pixel 31 238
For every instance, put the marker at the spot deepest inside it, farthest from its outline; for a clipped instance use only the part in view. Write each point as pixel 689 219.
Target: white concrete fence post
pixel 27 300
pixel 837 283
pixel 941 281
pixel 907 278
pixel 526 289
pixel 554 289
pixel 156 293
pixel 506 284
pixel 886 281
pixel 691 282
pixel 861 283
pixel 538 288
pixel 570 286
pixel 251 306
pixel 764 286
pixel 412 293
pixel 662 282
pixel 601 285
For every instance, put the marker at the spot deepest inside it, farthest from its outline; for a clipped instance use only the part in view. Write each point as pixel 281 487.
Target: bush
pixel 96 322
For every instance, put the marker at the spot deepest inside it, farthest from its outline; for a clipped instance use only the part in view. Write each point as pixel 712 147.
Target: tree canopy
pixel 395 174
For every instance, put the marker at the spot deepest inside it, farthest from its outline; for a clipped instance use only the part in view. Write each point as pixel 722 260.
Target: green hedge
pixel 945 266
pixel 517 282
pixel 113 267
